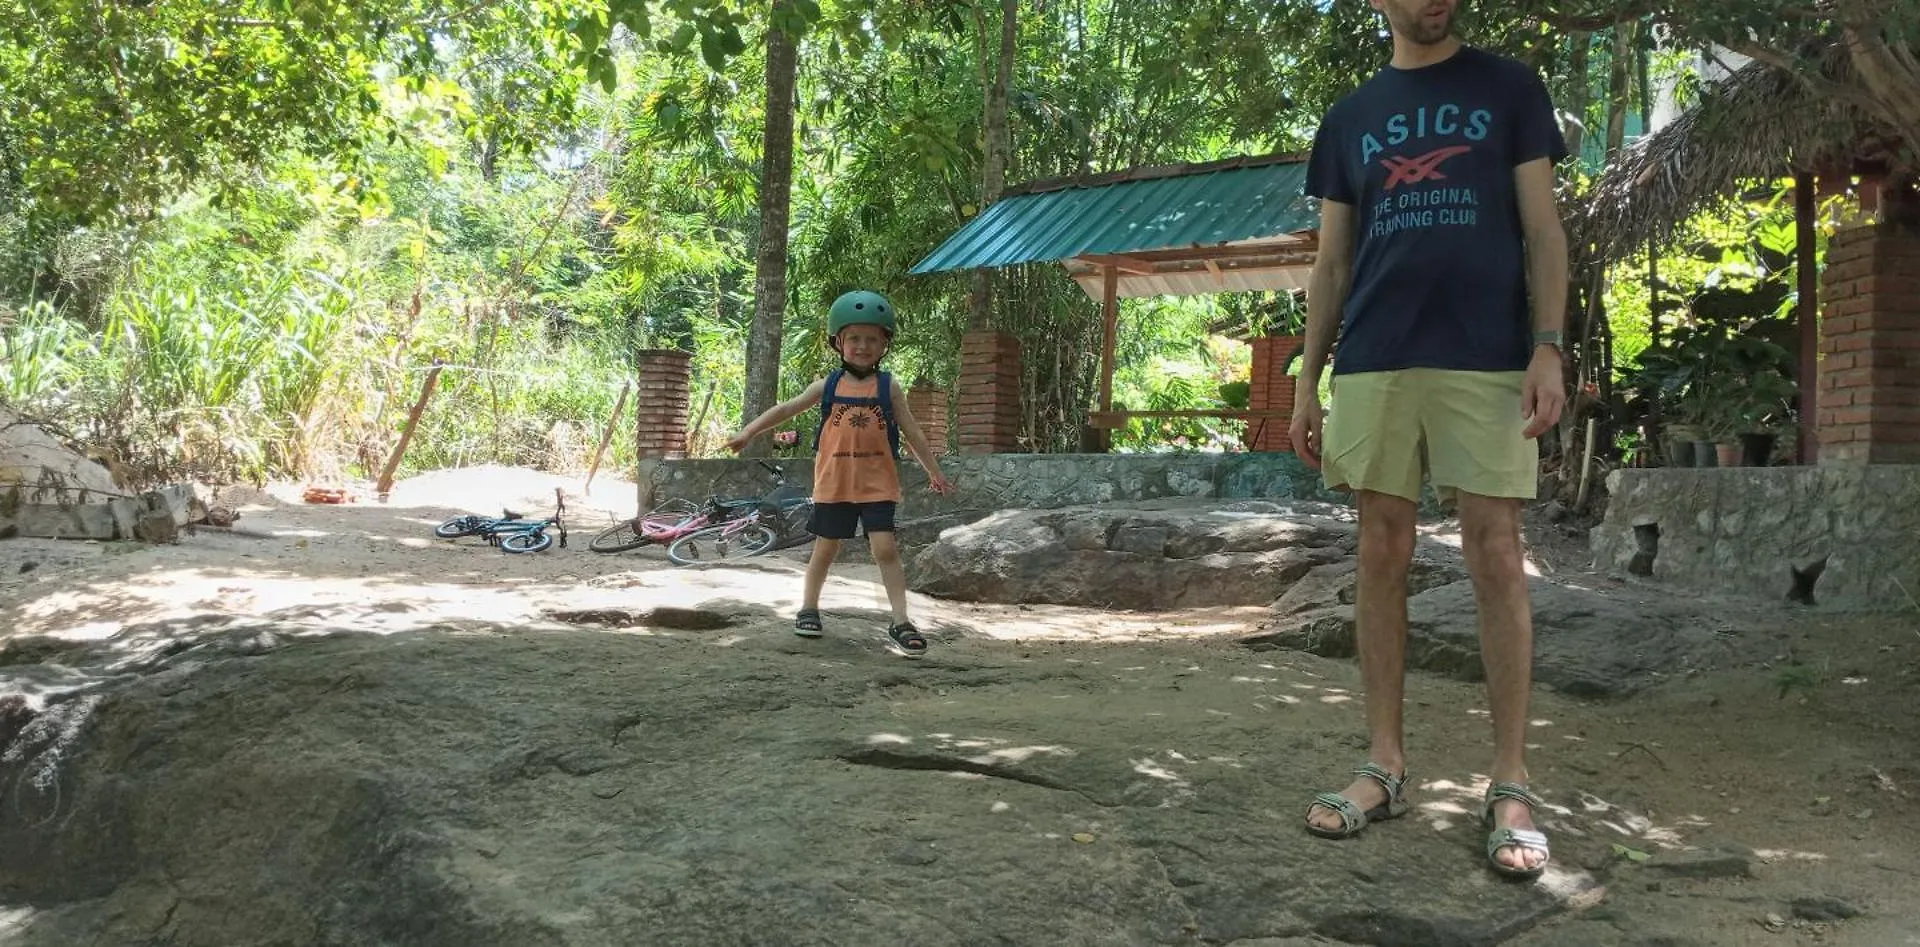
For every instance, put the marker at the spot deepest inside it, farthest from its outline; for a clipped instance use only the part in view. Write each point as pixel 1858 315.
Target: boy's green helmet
pixel 860 308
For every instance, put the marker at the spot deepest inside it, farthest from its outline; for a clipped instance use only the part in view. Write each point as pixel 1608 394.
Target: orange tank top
pixel 855 463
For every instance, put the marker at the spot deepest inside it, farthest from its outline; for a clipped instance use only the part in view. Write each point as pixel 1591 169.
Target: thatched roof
pixel 1758 123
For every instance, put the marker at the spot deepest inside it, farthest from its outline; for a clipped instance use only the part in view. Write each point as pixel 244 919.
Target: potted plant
pixel 1765 402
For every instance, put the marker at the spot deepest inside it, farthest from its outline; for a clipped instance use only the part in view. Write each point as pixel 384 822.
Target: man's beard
pixel 1420 32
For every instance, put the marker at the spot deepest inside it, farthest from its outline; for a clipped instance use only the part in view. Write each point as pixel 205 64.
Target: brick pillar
pixel 989 393
pixel 660 405
pixel 1869 396
pixel 1272 391
pixel 929 407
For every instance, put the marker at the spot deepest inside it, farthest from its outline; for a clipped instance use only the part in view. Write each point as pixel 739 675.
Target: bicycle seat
pixel 511 515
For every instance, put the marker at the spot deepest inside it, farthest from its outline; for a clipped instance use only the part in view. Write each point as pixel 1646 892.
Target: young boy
pixel 855 480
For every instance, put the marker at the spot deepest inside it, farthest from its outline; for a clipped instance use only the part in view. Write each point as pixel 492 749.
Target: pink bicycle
pixel 785 512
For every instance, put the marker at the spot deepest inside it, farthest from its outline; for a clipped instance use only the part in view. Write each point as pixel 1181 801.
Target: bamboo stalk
pixel 1586 468
pixel 619 406
pixel 385 485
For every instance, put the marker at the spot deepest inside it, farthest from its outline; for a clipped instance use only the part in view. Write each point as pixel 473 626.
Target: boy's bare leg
pixel 1490 537
pixel 893 574
pixel 1380 619
pixel 824 552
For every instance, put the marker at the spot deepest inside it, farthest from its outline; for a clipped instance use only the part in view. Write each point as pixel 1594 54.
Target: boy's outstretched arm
pixel 917 441
pixel 778 414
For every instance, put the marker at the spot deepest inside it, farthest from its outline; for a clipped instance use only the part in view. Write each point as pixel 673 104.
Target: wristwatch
pixel 1553 337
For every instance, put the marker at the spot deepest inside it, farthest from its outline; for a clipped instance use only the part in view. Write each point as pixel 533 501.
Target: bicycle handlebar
pixel 777 472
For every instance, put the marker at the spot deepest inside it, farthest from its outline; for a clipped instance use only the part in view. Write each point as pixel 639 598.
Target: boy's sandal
pixel 807 623
pixel 908 639
pixel 1531 840
pixel 1352 819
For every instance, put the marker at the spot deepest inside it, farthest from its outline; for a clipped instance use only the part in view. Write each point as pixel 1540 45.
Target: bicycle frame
pixel 494 529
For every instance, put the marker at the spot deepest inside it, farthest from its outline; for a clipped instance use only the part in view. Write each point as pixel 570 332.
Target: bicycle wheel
pixel 458 526
pixel 535 541
pixel 718 543
pixel 619 537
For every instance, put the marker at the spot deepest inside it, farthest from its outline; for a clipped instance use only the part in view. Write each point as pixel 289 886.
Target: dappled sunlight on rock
pixel 1155 770
pixel 1785 855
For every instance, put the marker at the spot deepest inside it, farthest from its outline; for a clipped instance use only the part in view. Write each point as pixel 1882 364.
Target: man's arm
pixel 1546 242
pixel 1327 291
pixel 1544 393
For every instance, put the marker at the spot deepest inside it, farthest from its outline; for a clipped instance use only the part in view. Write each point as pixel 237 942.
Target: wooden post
pixel 1110 315
pixel 413 424
pixel 607 438
pixel 700 420
pixel 1804 248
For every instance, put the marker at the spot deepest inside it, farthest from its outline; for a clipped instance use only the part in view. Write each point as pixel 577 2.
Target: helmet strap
pixel 860 373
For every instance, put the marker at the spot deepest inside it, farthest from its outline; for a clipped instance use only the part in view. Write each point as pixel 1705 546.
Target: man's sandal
pixel 1530 840
pixel 907 639
pixel 807 623
pixel 1352 820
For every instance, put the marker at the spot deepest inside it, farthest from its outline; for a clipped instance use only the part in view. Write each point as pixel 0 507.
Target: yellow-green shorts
pixel 1463 430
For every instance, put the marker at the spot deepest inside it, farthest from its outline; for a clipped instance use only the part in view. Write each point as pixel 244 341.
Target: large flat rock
pixel 251 783
pixel 1137 556
pixel 1587 643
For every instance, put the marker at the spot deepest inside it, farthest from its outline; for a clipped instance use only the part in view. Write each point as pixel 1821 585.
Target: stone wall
pixel 1018 481
pixel 1748 531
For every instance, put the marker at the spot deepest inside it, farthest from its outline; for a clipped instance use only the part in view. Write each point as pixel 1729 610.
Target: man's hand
pixel 738 442
pixel 1544 393
pixel 1304 432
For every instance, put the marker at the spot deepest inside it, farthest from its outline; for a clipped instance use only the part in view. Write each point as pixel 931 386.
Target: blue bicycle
pixel 512 532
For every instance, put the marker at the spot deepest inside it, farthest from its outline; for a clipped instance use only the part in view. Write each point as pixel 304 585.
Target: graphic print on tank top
pixel 858 419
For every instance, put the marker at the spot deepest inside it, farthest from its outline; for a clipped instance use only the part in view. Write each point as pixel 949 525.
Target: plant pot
pixel 1679 453
pixel 1704 455
pixel 1728 454
pixel 1756 450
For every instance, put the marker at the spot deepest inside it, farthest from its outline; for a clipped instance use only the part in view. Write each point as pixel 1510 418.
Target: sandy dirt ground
pixel 1770 799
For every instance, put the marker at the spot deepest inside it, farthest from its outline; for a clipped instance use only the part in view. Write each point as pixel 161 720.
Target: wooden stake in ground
pixel 607 438
pixel 413 424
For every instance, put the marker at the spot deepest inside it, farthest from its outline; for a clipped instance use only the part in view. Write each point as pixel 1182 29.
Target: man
pixel 1437 218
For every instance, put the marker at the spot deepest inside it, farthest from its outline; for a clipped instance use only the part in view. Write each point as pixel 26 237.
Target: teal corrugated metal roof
pixel 1225 202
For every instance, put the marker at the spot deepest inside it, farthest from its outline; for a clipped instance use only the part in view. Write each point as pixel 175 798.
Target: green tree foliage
pixel 233 236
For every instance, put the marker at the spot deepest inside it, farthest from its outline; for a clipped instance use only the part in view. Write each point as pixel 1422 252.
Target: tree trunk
pixel 770 264
pixel 993 178
pixel 1582 92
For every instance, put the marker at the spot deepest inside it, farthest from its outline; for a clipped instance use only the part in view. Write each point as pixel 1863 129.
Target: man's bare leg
pixel 1490 537
pixel 1380 618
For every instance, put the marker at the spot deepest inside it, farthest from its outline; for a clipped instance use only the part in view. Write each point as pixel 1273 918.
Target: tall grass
pixel 279 370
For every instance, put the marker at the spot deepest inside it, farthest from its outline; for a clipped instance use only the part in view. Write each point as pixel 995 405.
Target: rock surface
pixel 1138 556
pixel 37 468
pixel 1586 644
pixel 467 786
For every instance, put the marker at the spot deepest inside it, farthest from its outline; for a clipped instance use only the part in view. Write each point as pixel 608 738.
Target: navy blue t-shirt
pixel 1426 157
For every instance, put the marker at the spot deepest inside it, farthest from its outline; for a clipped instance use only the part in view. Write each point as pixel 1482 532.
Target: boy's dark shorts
pixel 837 520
